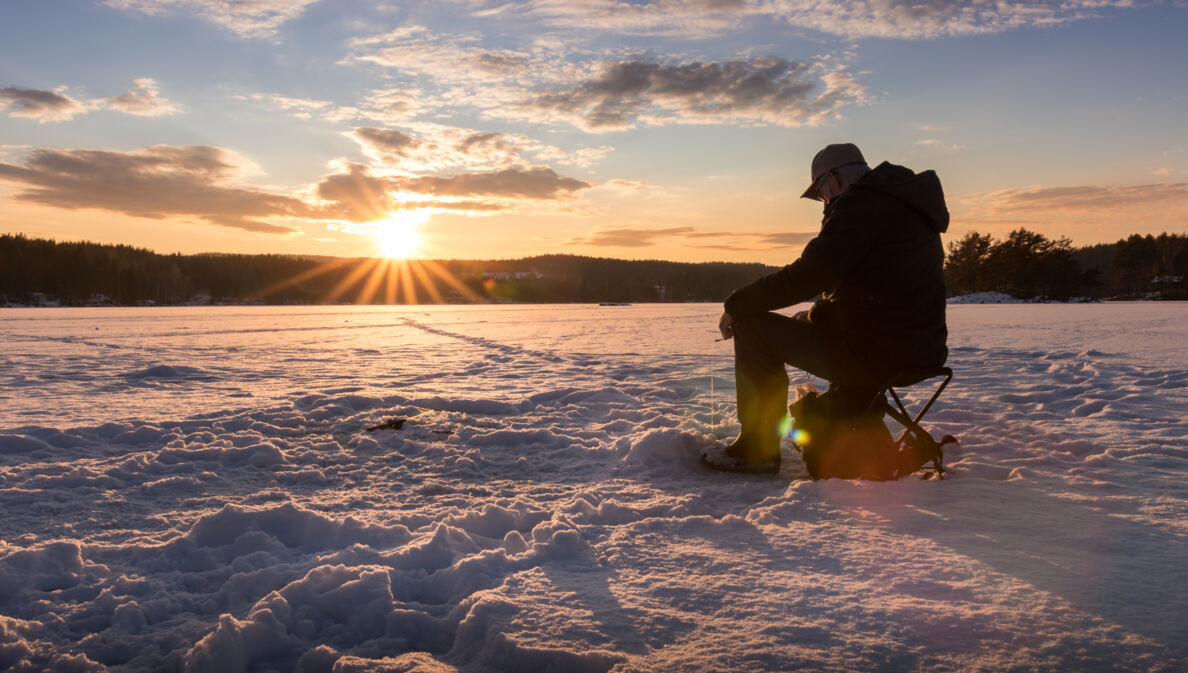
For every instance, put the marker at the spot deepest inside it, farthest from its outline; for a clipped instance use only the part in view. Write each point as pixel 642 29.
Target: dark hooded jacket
pixel 878 264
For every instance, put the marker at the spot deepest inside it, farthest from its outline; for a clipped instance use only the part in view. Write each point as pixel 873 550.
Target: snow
pixel 193 489
pixel 1003 298
pixel 985 298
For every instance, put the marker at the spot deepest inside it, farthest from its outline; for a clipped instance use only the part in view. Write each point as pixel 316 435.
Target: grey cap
pixel 831 158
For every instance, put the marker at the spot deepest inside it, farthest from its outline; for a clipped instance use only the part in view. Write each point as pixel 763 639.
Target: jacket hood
pixel 921 191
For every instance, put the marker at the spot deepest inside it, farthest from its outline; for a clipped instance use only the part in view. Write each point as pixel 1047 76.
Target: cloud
pixel 623 185
pixel 784 240
pixel 751 241
pixel 425 147
pixel 552 82
pixel 394 103
pixel 623 237
pixel 674 18
pixel 538 182
pixel 586 156
pixel 246 18
pixel 39 105
pixel 200 182
pixel 415 50
pixel 141 100
pixel 630 238
pixel 464 72
pixel 390 105
pixel 157 182
pixel 422 147
pixel 1091 198
pixel 1083 212
pixel 897 19
pixel 301 108
pixel 924 19
pixel 359 195
pixel 387 143
pixel 765 90
pixel 940 145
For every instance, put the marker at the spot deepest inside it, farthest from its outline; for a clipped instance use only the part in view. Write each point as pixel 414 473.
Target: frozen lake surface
pixel 193 489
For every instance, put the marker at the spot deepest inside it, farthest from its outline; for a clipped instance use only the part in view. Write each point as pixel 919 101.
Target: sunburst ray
pixel 353 277
pixel 426 281
pixel 392 285
pixel 373 282
pixel 410 291
pixel 325 267
pixel 444 274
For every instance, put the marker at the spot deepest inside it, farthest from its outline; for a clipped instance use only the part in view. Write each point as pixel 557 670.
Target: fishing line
pixel 713 406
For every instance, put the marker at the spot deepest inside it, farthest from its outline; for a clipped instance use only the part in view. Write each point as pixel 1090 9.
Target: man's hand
pixel 726 325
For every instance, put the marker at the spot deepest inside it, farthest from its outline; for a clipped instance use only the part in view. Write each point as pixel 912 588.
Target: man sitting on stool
pixel 878 263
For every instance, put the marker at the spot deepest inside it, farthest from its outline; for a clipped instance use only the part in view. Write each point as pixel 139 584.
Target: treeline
pixel 1028 265
pixel 40 271
pixel 1025 264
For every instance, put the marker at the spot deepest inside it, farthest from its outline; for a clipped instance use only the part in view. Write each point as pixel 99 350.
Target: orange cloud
pixel 157 182
pixel 246 18
pixel 424 147
pixel 358 195
pixel 198 182
pixel 537 182
pixel 623 237
pixel 39 105
pixel 142 100
pixel 902 19
pixel 1092 197
pixel 1085 213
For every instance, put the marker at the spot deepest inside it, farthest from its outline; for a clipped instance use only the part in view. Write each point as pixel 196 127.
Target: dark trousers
pixel 763 344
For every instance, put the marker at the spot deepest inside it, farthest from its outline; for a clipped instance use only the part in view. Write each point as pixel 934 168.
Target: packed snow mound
pixel 20 444
pixel 21 651
pixel 666 448
pixel 43 569
pixel 291 526
pixel 542 506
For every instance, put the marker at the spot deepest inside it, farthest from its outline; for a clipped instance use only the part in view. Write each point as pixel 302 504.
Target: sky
pixel 642 129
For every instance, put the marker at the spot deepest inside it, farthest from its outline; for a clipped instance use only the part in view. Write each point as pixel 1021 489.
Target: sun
pixel 399 237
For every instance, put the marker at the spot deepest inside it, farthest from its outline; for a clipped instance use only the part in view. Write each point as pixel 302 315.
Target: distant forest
pixel 40 272
pixel 1027 265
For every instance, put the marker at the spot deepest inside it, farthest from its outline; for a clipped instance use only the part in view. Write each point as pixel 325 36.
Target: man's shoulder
pixel 857 199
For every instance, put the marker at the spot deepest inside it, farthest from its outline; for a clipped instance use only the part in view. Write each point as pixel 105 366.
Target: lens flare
pixel 800 437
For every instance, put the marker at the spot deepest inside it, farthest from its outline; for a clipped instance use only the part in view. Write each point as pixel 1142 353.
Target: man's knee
pixel 748 329
pixel 772 337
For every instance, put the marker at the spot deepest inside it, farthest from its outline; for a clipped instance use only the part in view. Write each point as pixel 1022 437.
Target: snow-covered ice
pixel 192 489
pixel 1004 298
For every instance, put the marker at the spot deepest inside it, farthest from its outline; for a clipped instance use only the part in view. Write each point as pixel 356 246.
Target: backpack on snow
pixel 837 443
